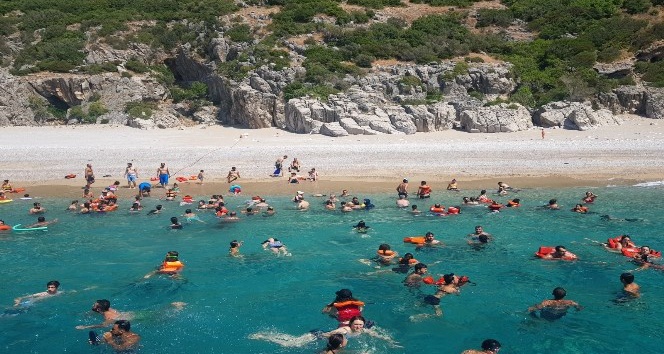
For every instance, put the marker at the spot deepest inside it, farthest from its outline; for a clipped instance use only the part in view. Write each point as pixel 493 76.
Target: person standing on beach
pixel 163 173
pixel 132 174
pixel 233 174
pixel 402 188
pixel 279 166
pixel 89 176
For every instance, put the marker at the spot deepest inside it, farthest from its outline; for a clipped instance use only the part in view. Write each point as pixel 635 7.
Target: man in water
pixel 489 346
pixel 479 231
pixel 630 288
pixel 103 307
pixel 415 279
pixel 402 188
pixel 51 290
pixel 41 222
pixel 163 173
pixel 132 174
pixel 120 337
pixel 555 308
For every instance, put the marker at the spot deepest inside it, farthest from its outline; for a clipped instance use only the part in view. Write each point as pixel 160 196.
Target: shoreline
pixel 38 158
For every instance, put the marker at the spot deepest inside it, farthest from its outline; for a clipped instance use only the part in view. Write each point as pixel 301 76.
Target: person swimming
pixel 555 308
pixel 361 227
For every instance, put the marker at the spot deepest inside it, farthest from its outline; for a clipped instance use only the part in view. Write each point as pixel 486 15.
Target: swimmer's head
pixel 2 222
pixel 516 200
pixel 344 295
pixel 483 238
pixel 235 244
pixel 645 249
pixel 356 323
pixel 491 345
pixel 414 207
pixel 174 220
pixel 249 210
pixel 429 235
pixel 101 306
pixel 384 247
pixel 408 256
pixel 52 286
pixel 483 191
pixel 420 268
pixel 123 325
pixel 553 201
pixel 559 293
pixel 188 211
pixel 560 249
pixel 41 219
pixel 336 341
pixel 448 278
pixel 232 213
pixel 627 278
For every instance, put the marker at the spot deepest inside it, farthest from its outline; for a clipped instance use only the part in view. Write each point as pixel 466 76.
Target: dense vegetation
pixel 571 36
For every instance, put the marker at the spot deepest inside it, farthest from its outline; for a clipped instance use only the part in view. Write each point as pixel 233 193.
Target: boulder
pixel 574 115
pixel 333 129
pixel 654 107
pixel 502 118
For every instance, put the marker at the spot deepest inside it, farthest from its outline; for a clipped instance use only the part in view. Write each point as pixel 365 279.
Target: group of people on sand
pixel 293 169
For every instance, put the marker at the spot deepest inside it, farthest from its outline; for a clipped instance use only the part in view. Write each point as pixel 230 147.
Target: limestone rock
pixel 333 129
pixel 502 118
pixel 574 115
pixel 655 103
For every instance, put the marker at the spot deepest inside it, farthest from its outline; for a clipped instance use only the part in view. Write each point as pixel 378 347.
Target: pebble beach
pixel 38 158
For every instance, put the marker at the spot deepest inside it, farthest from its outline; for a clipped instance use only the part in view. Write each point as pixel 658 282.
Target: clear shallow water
pixel 106 256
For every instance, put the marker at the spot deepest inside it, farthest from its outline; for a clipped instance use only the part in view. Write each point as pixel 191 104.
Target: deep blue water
pixel 228 299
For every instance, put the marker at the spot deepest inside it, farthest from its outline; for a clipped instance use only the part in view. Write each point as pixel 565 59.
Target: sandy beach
pixel 38 158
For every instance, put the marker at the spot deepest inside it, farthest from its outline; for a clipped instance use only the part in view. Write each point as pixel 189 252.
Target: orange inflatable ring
pixel 17 190
pixel 453 210
pixel 5 227
pixel 70 176
pixel 181 179
pixel 634 251
pixel 385 253
pixel 152 179
pixel 193 178
pixel 544 251
pixel 495 206
pixel 418 240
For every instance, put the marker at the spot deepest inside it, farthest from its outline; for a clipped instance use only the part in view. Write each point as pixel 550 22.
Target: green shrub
pixel 136 66
pixel 651 72
pixel 57 112
pixel 636 6
pixel 494 17
pixel 300 89
pixel 197 90
pixel 240 33
pixel 410 81
pixel 140 109
pixel 97 109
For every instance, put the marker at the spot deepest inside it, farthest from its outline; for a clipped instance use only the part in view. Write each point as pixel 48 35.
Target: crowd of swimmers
pixel 345 308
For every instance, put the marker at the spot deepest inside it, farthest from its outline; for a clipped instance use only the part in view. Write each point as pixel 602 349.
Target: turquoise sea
pixel 105 256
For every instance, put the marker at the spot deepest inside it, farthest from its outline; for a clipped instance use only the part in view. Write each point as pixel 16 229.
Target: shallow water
pixel 229 299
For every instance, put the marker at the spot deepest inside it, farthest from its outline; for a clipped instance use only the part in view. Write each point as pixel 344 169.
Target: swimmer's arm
pixel 99 325
pixel 33 297
pixel 340 330
pixel 536 307
pixel 386 338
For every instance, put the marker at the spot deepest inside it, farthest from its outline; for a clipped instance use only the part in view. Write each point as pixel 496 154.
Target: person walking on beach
pixel 132 174
pixel 89 176
pixel 402 188
pixel 163 173
pixel 233 174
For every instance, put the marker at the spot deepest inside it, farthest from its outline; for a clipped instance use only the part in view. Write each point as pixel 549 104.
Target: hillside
pixel 192 60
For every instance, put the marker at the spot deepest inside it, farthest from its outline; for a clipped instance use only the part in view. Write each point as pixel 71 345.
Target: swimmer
pixel 450 285
pixel 424 190
pixel 489 346
pixel 136 207
pixel 479 242
pixel 170 266
pixel 555 308
pixel 269 212
pixel 429 241
pixel 402 202
pixel 303 205
pixel 73 206
pixel 344 193
pixel 552 205
pixel 85 208
pixel 416 278
pixel 630 288
pixel 37 209
pixel 514 203
pixel 234 250
pixel 625 242
pixel 87 194
pixel 51 290
pixel 560 253
pixel 231 217
pixel 483 197
pixel 361 227
pixel 346 207
pixel 120 337
pixel 190 215
pixel 589 197
pixel 504 186
pixel 414 210
pixel 156 210
pixel 335 342
pixel 41 222
pixel 175 224
pixel 329 205
pixel 103 307
pixel 478 232
pixel 298 197
pixel 405 263
pixel 344 307
pixel 469 201
pixel 452 186
pixel 580 209
pixel 170 194
pixel 385 255
pixel 250 211
pixel 274 245
pixel 355 327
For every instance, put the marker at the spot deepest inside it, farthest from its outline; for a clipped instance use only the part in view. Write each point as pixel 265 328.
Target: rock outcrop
pixel 574 115
pixel 501 118
pixel 640 100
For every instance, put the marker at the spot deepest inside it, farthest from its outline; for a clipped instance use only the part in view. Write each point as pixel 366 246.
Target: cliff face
pixel 389 100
